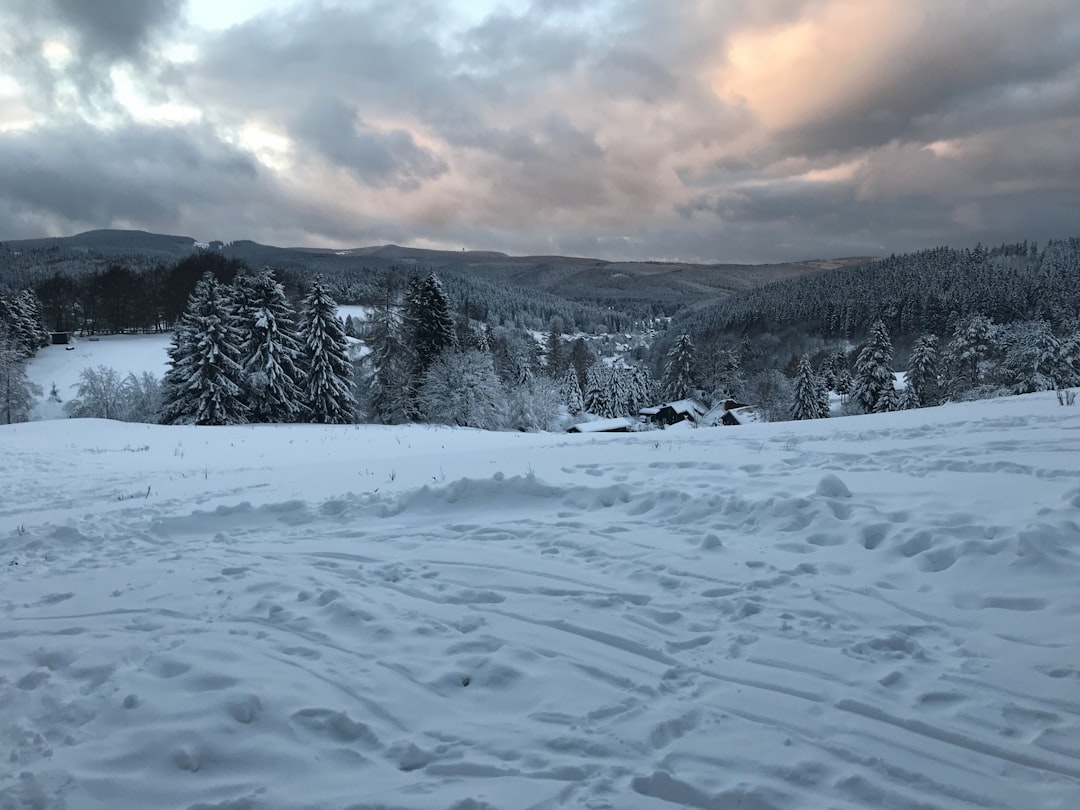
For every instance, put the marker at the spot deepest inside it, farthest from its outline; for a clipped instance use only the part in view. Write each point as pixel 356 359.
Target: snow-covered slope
pixel 863 612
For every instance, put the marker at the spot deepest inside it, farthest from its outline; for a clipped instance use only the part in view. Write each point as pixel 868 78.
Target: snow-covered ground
pixel 62 365
pixel 865 612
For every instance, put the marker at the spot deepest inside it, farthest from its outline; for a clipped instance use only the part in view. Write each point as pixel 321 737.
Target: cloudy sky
pixel 716 130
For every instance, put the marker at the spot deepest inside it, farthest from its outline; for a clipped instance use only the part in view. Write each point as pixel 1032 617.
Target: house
pixel 620 424
pixel 671 412
pixel 729 412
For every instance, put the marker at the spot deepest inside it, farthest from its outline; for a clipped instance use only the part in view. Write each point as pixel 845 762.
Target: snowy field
pixel 62 365
pixel 868 612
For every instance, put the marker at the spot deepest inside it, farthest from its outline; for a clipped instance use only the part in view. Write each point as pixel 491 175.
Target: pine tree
pixel 597 393
pixel 571 392
pixel 679 374
pixel 557 359
pixel 204 385
pixel 971 345
pixel 21 321
pixel 36 335
pixel 270 350
pixel 922 375
pixel 908 399
pixel 582 358
pixel 17 392
pixel 514 354
pixel 642 389
pixel 427 319
pixel 327 386
pixel 175 402
pixel 842 386
pixel 1069 361
pixel 872 383
pixel 389 358
pixel 807 393
pixel 823 398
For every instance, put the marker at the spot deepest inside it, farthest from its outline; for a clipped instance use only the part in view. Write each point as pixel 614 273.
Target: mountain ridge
pixel 669 285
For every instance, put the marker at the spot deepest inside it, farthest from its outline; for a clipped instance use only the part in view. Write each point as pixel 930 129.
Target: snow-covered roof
pixel 690 406
pixel 746 414
pixel 743 414
pixel 602 425
pixel 687 406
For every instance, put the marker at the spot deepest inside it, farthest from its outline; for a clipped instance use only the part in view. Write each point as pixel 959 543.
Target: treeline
pixel 90 293
pixel 240 353
pixel 926 292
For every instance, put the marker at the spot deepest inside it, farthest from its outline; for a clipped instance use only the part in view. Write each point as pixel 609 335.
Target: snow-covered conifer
pixel 557 358
pixel 679 373
pixel 389 358
pixel 327 384
pixel 641 389
pixel 970 347
pixel 807 393
pixel 204 384
pixel 598 391
pixel 428 323
pixel 872 381
pixel 571 392
pixel 921 379
pixel 270 350
pixel 17 392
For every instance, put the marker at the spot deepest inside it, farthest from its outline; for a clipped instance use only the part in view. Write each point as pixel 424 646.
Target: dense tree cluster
pixel 22 333
pixel 238 355
pixel 111 293
pixel 927 292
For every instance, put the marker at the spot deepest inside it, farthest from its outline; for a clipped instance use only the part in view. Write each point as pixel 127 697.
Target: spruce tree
pixel 204 385
pixel 270 350
pixel 922 375
pixel 872 383
pixel 582 358
pixel 679 374
pixel 807 393
pixel 428 321
pixel 971 345
pixel 17 392
pixel 389 357
pixel 557 359
pixel 327 386
pixel 571 392
pixel 21 321
pixel 908 399
pixel 823 398
pixel 514 354
pixel 598 391
pixel 642 389
pixel 175 402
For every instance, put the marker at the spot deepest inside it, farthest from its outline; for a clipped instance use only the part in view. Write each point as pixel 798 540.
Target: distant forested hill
pixel 108 290
pixel 924 292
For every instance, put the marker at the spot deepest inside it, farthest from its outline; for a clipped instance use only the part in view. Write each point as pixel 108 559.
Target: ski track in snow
pixel 863 612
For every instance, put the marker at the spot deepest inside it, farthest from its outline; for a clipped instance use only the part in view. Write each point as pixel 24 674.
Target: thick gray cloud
pixel 378 158
pixel 97 36
pixel 71 174
pixel 751 129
